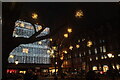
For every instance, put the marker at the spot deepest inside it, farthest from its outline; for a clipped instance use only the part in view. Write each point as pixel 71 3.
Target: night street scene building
pixel 62 41
pixel 33 52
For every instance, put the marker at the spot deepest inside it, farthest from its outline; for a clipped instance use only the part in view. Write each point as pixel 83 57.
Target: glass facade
pixel 32 52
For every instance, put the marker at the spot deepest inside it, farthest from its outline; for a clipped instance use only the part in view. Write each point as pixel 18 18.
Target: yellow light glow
pixel 78 40
pixel 61 58
pixel 77 46
pixel 34 16
pixel 11 56
pixel 69 30
pixel 54 48
pixel 65 52
pixel 22 72
pixel 71 47
pixel 79 14
pixel 25 50
pixel 39 28
pixel 96 58
pixel 89 43
pixel 22 24
pixel 94 67
pixel 66 35
pixel 50 39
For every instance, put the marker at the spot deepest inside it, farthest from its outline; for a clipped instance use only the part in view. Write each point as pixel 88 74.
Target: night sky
pixel 55 15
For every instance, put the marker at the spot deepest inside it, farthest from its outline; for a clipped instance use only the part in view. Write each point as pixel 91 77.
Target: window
pixel 79 55
pixel 94 67
pixel 84 53
pixel 100 49
pixel 102 57
pixel 29 27
pixel 104 49
pixel 22 24
pixel 89 52
pixel 90 59
pixel 25 50
pixel 95 50
pixel 96 58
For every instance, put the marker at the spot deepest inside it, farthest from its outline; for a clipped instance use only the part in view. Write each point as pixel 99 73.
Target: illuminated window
pixel 100 49
pixel 96 58
pixel 29 27
pixel 78 40
pixel 11 56
pixel 84 53
pixel 105 68
pixel 90 59
pixel 118 66
pixel 95 51
pixel 94 67
pixel 89 51
pixel 104 49
pixel 79 55
pixel 105 56
pixel 25 50
pixel 22 24
pixel 102 57
pixel 119 55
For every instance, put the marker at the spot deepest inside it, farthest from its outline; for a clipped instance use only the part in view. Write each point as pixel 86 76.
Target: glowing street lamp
pixel 34 15
pixel 66 35
pixel 69 30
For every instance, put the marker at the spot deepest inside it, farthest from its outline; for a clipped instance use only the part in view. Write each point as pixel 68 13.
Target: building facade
pixel 33 52
pixel 99 49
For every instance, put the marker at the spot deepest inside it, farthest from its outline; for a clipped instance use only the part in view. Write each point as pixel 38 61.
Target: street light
pixel 69 30
pixel 34 15
pixel 16 62
pixel 66 35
